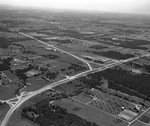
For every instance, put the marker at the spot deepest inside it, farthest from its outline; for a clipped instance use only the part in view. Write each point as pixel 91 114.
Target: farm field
pixel 23 123
pixel 104 59
pixel 83 97
pixel 71 88
pixel 35 66
pixel 9 91
pixel 137 123
pixel 3 110
pixel 35 84
pixel 109 103
pixel 145 118
pixel 89 113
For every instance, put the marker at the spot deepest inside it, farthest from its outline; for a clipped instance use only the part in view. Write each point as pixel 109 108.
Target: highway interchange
pixel 24 96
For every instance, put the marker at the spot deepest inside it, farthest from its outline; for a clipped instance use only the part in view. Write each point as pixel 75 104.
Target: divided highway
pixel 70 78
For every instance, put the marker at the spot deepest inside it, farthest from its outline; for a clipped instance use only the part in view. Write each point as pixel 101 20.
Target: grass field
pixel 23 123
pixel 137 123
pixel 11 76
pixel 145 118
pixel 71 88
pixel 109 103
pixel 36 83
pixel 3 110
pixel 16 119
pixel 83 97
pixel 7 92
pixel 89 113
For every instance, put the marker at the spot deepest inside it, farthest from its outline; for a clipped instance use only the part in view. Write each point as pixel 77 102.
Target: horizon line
pixel 70 10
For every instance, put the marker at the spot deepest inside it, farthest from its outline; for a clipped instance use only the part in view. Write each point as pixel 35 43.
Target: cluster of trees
pixel 137 85
pixel 0 75
pixel 12 22
pixel 63 69
pixel 45 114
pixel 50 56
pixel 147 68
pixel 98 47
pixel 120 80
pixel 28 52
pixel 5 65
pixel 21 72
pixel 51 75
pixel 66 41
pixel 72 33
pixel 5 42
pixel 76 67
pixel 143 66
pixel 19 87
pixel 91 80
pixel 4 29
pixel 114 55
pixel 135 65
pixel 134 43
pixel 123 89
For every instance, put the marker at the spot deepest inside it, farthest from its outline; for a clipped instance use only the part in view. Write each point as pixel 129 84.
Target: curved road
pixel 30 95
pixel 57 49
pixel 21 101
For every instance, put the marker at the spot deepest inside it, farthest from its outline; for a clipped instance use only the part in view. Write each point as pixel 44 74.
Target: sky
pixel 125 6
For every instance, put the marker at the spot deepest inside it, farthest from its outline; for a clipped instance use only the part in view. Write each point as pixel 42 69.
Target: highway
pixel 21 101
pixel 15 105
pixel 26 96
pixel 57 49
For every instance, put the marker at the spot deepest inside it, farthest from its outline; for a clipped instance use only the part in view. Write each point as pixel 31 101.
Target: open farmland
pixel 71 88
pixel 23 123
pixel 83 97
pixel 66 68
pixel 35 83
pixel 89 113
pixel 3 110
pixel 145 118
pixel 114 55
pixel 10 91
pixel 10 75
pixel 137 123
pixel 35 66
pixel 108 103
pixel 113 105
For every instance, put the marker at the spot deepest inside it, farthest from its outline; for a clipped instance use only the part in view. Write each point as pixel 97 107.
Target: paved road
pixel 58 49
pixel 130 123
pixel 23 99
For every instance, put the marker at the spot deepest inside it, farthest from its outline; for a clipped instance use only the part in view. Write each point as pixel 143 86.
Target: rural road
pixel 70 78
